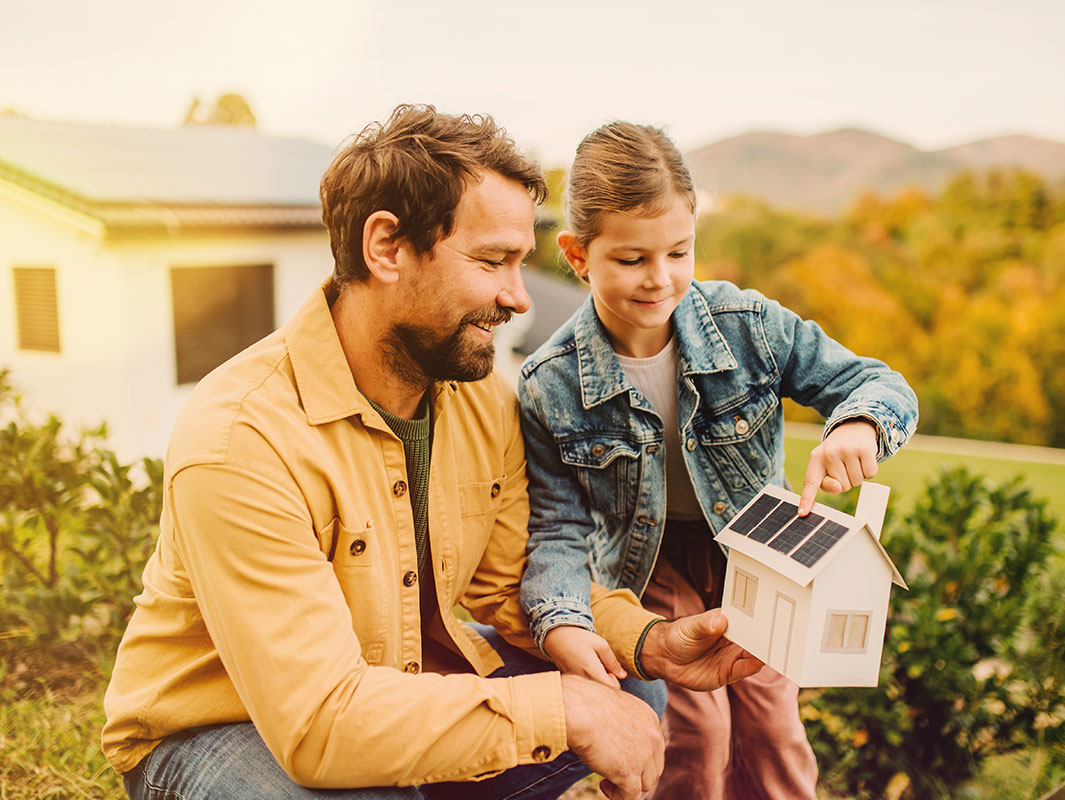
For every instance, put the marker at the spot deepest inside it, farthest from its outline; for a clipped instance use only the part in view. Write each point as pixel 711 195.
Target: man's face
pixel 470 283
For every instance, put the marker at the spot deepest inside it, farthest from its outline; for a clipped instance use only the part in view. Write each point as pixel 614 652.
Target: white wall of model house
pixel 117 357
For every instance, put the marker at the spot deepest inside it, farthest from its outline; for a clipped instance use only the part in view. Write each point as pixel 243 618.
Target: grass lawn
pixel 1043 469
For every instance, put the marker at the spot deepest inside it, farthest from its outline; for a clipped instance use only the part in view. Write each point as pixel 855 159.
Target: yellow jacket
pixel 283 588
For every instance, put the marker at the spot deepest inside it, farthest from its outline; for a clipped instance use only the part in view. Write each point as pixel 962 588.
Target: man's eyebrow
pixel 503 247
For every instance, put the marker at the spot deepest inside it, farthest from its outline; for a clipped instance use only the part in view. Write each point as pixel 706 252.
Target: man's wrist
pixel 637 656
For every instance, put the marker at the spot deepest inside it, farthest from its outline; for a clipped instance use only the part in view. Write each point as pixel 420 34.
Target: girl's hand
pixel 577 651
pixel 842 461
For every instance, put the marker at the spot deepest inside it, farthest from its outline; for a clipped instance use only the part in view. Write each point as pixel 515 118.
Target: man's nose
pixel 513 294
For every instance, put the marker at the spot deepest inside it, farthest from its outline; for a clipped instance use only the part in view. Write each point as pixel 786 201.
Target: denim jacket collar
pixel 600 373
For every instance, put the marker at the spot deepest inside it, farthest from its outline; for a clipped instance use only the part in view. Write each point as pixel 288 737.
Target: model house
pixel 134 260
pixel 809 595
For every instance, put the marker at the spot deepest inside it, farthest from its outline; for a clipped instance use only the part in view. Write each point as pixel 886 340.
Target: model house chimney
pixel 872 506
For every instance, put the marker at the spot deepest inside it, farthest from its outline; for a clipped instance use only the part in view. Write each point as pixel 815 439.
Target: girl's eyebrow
pixel 638 249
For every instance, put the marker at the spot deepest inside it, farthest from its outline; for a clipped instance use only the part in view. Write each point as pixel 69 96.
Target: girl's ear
pixel 574 252
pixel 381 246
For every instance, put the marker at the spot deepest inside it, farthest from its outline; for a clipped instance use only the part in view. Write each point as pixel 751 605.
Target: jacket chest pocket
pixel 740 442
pixel 359 568
pixel 479 503
pixel 608 469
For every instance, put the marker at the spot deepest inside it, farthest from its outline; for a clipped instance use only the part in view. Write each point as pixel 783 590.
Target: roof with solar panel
pixel 770 530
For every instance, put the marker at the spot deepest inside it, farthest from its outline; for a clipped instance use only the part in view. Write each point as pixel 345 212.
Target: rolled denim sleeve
pixel 556 585
pixel 817 371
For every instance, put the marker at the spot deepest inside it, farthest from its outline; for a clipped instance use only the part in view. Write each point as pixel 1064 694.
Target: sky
pixel 934 73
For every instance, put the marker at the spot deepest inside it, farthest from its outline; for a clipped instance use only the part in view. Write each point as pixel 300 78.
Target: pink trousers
pixel 740 742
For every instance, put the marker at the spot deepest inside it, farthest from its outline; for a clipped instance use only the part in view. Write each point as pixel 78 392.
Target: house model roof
pixel 193 176
pixel 769 530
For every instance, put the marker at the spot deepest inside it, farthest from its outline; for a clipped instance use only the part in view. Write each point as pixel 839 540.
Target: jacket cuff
pixel 891 430
pixel 621 620
pixel 539 717
pixel 550 615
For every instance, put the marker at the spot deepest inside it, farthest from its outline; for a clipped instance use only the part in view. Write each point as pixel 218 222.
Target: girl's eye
pixel 629 262
pixel 678 255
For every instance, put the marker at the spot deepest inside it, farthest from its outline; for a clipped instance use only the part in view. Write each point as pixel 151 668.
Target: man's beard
pixel 419 353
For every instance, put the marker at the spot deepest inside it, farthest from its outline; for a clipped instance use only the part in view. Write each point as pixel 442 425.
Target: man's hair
pixel 416 165
pixel 635 169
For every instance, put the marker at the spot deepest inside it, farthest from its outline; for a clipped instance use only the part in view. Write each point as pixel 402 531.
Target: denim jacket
pixel 594 444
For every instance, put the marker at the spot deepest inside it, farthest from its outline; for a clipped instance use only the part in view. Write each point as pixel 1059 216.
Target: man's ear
pixel 574 252
pixel 381 246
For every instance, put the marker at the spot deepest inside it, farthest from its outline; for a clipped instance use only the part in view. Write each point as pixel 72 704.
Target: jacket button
pixel 647 521
pixel 496 488
pixel 358 547
pixel 541 753
pixel 410 578
pixel 412 667
pixel 399 488
pixel 742 427
pixel 653 448
pixel 719 507
pixel 598 450
pixel 690 444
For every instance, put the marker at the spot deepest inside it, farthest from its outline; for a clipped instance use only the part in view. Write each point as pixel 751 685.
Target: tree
pixel 229 108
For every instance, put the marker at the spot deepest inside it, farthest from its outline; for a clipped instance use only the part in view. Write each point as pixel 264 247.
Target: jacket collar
pixel 701 348
pixel 326 387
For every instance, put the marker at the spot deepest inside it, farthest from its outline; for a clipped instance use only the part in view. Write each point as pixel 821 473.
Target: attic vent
pixel 36 308
pixel 218 311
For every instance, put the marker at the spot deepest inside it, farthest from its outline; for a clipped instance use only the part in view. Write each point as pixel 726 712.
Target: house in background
pixel 809 595
pixel 134 261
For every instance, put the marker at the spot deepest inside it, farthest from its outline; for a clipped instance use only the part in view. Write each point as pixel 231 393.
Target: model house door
pixel 780 643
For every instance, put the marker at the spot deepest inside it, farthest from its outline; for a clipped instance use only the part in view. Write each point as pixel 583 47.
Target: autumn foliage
pixel 964 293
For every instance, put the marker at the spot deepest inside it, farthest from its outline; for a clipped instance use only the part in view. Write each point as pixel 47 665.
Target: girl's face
pixel 639 268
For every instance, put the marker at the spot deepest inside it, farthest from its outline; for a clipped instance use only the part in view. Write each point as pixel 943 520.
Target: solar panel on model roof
pixel 820 543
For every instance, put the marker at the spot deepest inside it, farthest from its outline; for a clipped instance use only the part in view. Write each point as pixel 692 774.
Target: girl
pixel 650 418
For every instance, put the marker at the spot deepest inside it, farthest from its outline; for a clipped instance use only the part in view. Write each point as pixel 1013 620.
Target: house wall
pixel 153 399
pixel 78 383
pixel 117 361
pixel 857 579
pixel 754 633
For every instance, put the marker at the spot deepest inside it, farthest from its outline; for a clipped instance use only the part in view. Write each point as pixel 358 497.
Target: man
pixel 336 489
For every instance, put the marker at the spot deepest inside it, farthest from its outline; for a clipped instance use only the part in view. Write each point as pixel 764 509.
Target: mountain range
pixel 827 172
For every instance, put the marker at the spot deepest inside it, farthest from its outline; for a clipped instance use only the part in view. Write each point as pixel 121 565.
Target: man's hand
pixel 614 734
pixel 692 652
pixel 578 651
pixel 842 461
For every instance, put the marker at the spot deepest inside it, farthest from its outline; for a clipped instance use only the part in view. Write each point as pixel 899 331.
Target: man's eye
pixel 491 263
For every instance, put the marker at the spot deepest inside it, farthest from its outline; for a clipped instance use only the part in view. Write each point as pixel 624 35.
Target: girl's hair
pixel 624 167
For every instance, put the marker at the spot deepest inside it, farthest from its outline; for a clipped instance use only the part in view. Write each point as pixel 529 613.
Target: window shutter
pixel 218 311
pixel 36 308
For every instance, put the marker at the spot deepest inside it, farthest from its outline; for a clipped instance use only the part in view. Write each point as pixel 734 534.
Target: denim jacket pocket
pixel 606 467
pixel 739 441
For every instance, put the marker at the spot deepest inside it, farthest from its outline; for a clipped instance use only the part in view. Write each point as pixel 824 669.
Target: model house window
pixel 744 587
pixel 36 309
pixel 845 632
pixel 218 311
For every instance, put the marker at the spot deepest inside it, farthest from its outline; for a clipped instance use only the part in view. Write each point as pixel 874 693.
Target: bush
pixel 76 527
pixel 969 665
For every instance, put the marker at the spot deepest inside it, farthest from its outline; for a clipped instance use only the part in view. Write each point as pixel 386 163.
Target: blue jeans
pixel 231 762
